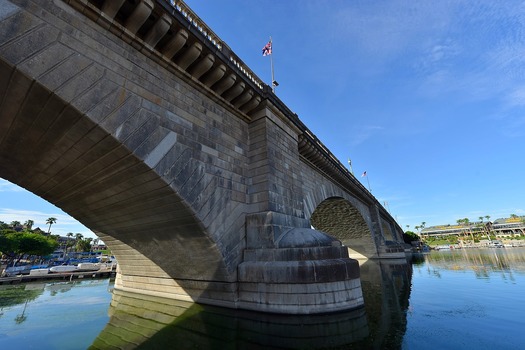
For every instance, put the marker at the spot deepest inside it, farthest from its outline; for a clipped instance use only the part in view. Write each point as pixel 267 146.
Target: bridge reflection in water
pixel 153 323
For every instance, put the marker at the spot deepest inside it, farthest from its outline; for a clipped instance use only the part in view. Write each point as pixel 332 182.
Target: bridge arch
pixel 339 218
pixel 108 179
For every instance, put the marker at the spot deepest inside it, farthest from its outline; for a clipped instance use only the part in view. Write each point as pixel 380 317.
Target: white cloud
pixel 6 186
pixel 63 225
pixel 383 31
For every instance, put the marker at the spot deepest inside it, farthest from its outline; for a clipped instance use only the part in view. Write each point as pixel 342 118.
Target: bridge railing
pixel 188 13
pixel 210 35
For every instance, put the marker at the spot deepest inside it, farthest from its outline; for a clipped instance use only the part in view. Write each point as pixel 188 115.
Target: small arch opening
pixel 339 218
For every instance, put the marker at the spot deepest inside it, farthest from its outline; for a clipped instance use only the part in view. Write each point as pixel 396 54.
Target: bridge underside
pixel 50 149
pixel 340 219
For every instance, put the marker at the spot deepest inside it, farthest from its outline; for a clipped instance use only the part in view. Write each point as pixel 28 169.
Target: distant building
pixel 509 226
pixel 504 227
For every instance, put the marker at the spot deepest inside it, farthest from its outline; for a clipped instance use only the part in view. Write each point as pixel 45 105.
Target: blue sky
pixel 428 97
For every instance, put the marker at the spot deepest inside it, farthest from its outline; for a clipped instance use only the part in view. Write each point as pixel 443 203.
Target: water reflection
pixel 386 289
pixel 484 262
pixel 457 293
pixel 156 323
pixel 56 315
pixel 11 296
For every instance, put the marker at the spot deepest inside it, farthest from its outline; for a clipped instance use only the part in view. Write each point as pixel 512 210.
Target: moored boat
pixel 88 267
pixel 63 268
pixel 23 270
pixel 17 270
pixel 39 272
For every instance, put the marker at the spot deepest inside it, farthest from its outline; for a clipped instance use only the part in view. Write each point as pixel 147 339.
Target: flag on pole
pixel 364 174
pixel 267 49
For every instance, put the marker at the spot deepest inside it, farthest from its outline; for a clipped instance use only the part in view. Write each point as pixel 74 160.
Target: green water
pixel 61 315
pixel 465 299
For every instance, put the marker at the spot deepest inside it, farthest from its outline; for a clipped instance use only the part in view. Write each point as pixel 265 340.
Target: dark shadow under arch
pixel 340 219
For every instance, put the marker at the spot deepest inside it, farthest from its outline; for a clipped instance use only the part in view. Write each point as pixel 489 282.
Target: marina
pixel 64 276
pixel 64 273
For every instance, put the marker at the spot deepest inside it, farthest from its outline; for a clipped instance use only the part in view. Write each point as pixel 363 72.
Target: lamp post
pixel 350 165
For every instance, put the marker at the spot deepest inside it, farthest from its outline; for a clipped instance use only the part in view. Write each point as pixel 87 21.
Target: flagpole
pixel 271 65
pixel 368 181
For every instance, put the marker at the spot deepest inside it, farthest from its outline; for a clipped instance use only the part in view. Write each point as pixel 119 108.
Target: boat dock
pixel 67 276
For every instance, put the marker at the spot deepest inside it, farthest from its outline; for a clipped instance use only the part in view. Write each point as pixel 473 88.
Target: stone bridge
pixel 134 118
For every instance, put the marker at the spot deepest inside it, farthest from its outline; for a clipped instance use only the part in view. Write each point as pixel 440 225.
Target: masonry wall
pixel 175 179
pixel 134 149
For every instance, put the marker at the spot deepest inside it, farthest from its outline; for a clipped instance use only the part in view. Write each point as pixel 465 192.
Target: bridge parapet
pixel 173 34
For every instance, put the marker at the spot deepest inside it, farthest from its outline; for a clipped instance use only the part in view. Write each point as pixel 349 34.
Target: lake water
pixel 463 299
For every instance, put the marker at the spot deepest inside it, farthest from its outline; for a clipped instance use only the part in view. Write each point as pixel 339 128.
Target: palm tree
pixel 29 224
pixel 482 224
pixel 78 238
pixel 69 235
pixel 467 223
pixel 95 241
pixel 422 226
pixel 84 244
pixel 489 225
pixel 50 221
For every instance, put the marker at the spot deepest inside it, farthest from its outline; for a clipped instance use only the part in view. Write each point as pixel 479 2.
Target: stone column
pixel 288 267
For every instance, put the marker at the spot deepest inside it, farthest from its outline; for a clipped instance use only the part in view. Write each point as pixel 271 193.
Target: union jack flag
pixel 267 49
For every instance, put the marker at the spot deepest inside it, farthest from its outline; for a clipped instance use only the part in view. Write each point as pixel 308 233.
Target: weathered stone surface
pixel 203 186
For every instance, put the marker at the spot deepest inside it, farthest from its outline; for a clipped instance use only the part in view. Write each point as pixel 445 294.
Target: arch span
pixel 340 219
pixel 50 148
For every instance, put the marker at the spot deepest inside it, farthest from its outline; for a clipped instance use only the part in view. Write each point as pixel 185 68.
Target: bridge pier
pixel 295 270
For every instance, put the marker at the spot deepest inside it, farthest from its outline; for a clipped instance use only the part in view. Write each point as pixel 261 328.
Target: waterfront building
pixel 501 228
pixel 509 227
